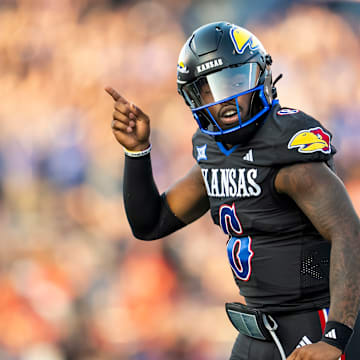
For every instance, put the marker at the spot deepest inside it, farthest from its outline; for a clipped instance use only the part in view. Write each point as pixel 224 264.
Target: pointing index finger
pixel 115 95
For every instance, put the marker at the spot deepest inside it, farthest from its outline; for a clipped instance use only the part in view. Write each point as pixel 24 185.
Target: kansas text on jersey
pixel 231 182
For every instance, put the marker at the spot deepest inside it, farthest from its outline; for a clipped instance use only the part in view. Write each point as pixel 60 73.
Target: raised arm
pixel 323 198
pixel 151 215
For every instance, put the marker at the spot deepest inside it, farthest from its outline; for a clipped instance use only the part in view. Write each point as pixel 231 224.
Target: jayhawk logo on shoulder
pixel 243 39
pixel 311 140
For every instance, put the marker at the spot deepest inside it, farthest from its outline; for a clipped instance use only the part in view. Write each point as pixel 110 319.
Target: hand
pixel 316 351
pixel 130 125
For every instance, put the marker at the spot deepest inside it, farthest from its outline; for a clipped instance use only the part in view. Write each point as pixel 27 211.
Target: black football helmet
pixel 219 63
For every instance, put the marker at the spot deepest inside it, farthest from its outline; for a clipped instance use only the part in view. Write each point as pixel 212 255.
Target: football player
pixel 266 174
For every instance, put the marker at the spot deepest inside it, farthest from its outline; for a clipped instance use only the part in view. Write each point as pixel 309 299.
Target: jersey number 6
pixel 238 248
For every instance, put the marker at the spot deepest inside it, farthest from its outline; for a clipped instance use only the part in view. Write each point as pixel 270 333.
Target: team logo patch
pixel 181 67
pixel 243 39
pixel 311 140
pixel 201 152
pixel 287 112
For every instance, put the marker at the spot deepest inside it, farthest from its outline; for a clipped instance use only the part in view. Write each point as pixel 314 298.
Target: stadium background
pixel 74 284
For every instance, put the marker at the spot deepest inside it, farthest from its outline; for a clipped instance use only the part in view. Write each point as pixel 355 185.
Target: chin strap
pixel 273 89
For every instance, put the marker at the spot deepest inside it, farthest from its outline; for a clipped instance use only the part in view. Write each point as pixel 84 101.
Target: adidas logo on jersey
pixel 249 156
pixel 331 334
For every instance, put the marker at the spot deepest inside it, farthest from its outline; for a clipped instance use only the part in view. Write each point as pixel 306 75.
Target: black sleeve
pixel 147 211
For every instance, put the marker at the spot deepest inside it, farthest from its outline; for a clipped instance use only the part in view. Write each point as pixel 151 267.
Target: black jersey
pixel 279 260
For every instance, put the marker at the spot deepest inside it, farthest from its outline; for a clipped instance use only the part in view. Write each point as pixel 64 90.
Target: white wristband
pixel 137 153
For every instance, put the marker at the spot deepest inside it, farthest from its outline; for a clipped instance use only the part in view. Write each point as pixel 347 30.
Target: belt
pixel 254 323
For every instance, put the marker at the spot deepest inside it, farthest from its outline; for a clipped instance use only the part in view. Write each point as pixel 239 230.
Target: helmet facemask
pixel 217 100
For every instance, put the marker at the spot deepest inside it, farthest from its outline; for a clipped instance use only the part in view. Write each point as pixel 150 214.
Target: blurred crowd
pixel 74 284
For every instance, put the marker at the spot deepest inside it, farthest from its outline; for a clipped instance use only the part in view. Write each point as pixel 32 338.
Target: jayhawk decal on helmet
pixel 311 140
pixel 242 39
pixel 182 67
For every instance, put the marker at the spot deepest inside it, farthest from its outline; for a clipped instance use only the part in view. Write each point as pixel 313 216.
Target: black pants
pixel 293 330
